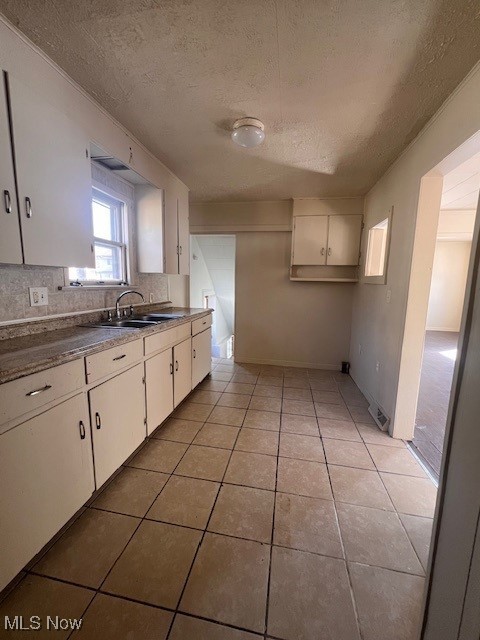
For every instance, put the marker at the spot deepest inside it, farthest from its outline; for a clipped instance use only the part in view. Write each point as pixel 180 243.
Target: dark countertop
pixel 22 356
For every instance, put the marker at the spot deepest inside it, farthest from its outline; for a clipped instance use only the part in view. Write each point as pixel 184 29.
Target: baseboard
pixel 288 363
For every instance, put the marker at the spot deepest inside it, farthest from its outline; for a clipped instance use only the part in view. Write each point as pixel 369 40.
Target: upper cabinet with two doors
pixel 326 241
pixel 46 212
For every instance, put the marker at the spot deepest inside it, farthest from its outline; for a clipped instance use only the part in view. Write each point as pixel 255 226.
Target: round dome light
pixel 248 132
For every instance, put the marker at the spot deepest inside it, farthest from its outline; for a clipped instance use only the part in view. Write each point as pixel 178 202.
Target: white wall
pixel 278 321
pixel 447 291
pixel 219 255
pixel 201 281
pixel 378 325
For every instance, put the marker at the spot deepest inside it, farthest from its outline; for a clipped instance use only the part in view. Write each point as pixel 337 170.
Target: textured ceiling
pixel 341 85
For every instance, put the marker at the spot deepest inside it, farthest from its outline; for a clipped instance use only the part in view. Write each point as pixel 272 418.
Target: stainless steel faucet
pixel 124 293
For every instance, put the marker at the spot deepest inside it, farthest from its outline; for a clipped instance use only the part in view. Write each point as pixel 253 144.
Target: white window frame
pixel 121 222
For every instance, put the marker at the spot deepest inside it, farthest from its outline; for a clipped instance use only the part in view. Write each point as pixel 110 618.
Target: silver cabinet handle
pixel 35 392
pixel 124 355
pixel 81 426
pixel 28 207
pixel 176 365
pixel 8 201
pixel 98 421
pixel 194 353
pixel 322 252
pixel 180 249
pixel 329 251
pixel 171 369
pixel 205 322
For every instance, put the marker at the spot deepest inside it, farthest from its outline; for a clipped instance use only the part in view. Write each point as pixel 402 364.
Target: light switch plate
pixel 38 296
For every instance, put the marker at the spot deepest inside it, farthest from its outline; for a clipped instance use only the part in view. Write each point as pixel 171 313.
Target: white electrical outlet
pixel 389 295
pixel 38 296
pixel 151 297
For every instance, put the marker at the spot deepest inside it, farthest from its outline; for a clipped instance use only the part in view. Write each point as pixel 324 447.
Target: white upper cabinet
pixel 326 240
pixel 150 229
pixel 177 231
pixel 344 240
pixel 10 243
pixel 183 233
pixel 54 182
pixel 309 240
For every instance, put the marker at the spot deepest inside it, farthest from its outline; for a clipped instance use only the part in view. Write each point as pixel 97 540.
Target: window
pixel 376 249
pixel 109 243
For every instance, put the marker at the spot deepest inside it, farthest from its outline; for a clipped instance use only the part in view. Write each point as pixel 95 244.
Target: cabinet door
pixel 344 239
pixel 46 475
pixel 182 363
pixel 171 231
pixel 159 381
pixel 183 233
pixel 54 182
pixel 150 229
pixel 201 356
pixel 309 240
pixel 117 410
pixel 10 243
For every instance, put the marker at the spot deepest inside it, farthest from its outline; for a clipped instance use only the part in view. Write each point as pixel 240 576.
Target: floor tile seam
pixel 269 575
pixel 201 538
pixel 344 551
pixel 401 522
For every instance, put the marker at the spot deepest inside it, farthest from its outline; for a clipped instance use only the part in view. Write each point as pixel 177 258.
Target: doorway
pixel 453 245
pixel 212 285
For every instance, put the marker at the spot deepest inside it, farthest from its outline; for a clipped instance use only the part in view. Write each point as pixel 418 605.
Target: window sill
pixel 90 287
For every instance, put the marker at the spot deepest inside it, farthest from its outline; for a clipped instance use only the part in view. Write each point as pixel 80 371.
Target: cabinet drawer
pixel 24 395
pixel 201 324
pixel 167 338
pixel 112 360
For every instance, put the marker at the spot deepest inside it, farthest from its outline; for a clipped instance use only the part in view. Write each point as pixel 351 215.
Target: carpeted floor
pixel 435 386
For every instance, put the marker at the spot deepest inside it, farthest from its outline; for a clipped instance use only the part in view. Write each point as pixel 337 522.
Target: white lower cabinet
pixel 159 381
pixel 201 356
pixel 182 365
pixel 46 475
pixel 117 410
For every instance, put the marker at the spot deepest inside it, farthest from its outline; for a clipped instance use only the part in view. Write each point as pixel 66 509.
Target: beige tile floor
pixel 268 506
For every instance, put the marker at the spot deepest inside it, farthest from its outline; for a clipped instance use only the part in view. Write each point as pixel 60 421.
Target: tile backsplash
pixel 15 281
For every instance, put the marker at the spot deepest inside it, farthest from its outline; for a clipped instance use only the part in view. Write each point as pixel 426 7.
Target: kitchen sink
pixel 125 323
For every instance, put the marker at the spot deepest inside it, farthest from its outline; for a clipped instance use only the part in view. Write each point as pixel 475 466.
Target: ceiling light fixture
pixel 248 132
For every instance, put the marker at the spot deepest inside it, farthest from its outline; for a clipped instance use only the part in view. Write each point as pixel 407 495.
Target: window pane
pixel 102 221
pixel 108 262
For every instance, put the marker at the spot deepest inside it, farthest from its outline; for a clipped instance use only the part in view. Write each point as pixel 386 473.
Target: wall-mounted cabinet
pixel 150 204
pixel 326 246
pixel 10 243
pixel 53 181
pixel 177 231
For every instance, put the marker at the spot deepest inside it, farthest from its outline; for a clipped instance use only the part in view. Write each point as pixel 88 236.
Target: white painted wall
pixel 200 282
pixel 377 325
pixel 219 255
pixel 447 291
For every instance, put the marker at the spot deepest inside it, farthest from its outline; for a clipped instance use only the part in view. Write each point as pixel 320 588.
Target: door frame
pixel 453 583
pixel 428 210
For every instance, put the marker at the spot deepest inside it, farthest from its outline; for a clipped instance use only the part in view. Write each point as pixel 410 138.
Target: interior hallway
pixel 438 364
pixel 269 506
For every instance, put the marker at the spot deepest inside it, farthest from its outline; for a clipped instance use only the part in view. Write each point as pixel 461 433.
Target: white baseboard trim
pixel 288 363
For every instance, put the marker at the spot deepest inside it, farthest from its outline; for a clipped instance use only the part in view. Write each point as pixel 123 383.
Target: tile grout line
pixel 202 538
pixel 269 579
